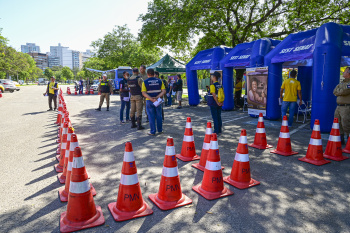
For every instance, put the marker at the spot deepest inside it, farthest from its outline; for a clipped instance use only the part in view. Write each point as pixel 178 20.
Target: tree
pixel 48 73
pixel 230 22
pixel 67 74
pixel 121 48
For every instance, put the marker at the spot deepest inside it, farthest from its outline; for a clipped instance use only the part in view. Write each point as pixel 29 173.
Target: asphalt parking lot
pixel 293 196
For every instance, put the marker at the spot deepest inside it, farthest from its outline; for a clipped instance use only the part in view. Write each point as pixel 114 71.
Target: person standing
pixel 153 89
pixel 124 97
pixel 136 99
pixel 81 86
pixel 52 91
pixel 144 76
pixel 169 91
pixel 291 88
pixel 179 90
pixel 156 75
pixel 88 85
pixel 238 91
pixel 106 89
pixel 166 88
pixel 213 102
pixel 342 112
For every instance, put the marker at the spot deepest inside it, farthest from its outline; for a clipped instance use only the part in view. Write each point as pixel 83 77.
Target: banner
pixel 256 90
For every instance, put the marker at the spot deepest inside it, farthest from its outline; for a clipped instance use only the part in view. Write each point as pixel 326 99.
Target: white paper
pixel 167 94
pixel 126 99
pixel 173 93
pixel 158 102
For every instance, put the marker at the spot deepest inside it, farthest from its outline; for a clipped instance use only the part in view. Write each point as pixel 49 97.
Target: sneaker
pixel 54 109
pixel 160 132
pixel 128 121
pixel 151 134
pixel 50 109
pixel 122 122
pixel 179 107
pixel 98 109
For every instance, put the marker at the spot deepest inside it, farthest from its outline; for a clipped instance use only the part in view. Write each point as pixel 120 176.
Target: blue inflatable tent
pixel 318 54
pixel 242 56
pixel 204 60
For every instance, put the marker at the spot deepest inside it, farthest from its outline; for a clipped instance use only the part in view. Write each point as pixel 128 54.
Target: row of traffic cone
pixel 86 91
pixel 314 154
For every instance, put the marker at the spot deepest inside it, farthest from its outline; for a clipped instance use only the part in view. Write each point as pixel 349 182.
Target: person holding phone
pixel 52 91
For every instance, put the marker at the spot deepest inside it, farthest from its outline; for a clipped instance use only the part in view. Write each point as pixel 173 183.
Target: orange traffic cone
pixel 63 131
pixel 347 147
pixel 240 174
pixel 59 166
pixel 86 91
pixel 99 93
pixel 284 147
pixel 0 93
pixel 188 151
pixel 170 195
pixel 70 146
pixel 314 154
pixel 75 93
pixel 205 148
pixel 130 203
pixel 333 150
pixel 81 211
pixel 212 186
pixel 260 135
pixel 58 120
pixel 64 191
pixel 91 91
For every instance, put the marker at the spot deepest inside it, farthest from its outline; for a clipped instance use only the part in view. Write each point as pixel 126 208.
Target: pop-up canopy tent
pixel 204 60
pixel 242 56
pixel 318 54
pixel 168 64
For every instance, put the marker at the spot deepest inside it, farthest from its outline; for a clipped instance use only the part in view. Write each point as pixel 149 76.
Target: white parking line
pixel 235 119
pixel 297 129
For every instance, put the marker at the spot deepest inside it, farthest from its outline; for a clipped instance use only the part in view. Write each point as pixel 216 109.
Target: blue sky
pixel 73 23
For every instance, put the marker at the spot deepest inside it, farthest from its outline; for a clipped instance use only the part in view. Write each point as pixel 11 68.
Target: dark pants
pixel 54 98
pixel 81 89
pixel 154 115
pixel 170 100
pixel 122 107
pixel 216 115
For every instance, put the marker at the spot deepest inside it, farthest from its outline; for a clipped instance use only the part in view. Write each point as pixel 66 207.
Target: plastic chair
pixel 304 109
pixel 245 105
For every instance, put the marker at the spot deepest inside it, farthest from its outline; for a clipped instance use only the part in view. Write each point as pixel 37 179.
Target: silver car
pixel 8 85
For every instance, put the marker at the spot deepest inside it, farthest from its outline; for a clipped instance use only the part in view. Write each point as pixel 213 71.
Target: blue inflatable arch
pixel 242 56
pixel 204 60
pixel 318 54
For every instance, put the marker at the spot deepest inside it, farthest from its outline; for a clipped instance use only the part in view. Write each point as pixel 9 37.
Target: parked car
pixel 95 84
pixel 8 85
pixel 18 87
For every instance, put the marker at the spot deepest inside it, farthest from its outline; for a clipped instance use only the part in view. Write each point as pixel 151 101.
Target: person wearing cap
pixel 152 89
pixel 124 97
pixel 213 102
pixel 342 112
pixel 106 89
pixel 136 99
pixel 52 92
pixel 144 77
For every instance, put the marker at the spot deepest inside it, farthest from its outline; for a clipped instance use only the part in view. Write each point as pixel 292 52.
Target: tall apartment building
pixel 64 55
pixel 77 59
pixel 29 48
pixel 41 59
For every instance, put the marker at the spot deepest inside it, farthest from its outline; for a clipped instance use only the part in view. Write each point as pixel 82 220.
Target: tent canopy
pixel 249 54
pixel 208 59
pixel 168 64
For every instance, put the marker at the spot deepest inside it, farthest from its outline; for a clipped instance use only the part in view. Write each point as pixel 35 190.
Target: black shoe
pixel 98 109
pixel 107 109
pixel 179 107
pixel 54 109
pixel 133 122
pixel 50 109
pixel 139 121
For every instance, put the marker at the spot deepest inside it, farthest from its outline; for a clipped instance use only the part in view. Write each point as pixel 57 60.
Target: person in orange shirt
pixel 291 88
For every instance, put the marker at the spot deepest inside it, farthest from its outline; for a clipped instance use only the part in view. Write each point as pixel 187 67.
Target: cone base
pixel 58 157
pixel 212 195
pixel 260 147
pixel 58 168
pixel 346 151
pixel 123 216
pixel 63 194
pixel 284 153
pixel 61 178
pixel 241 185
pixel 68 226
pixel 314 162
pixel 168 205
pixel 186 159
pixel 200 167
pixel 58 152
pixel 335 158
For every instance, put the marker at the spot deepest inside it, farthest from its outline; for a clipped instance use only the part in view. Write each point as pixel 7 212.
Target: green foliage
pixel 66 74
pixel 180 24
pixel 48 73
pixel 121 48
